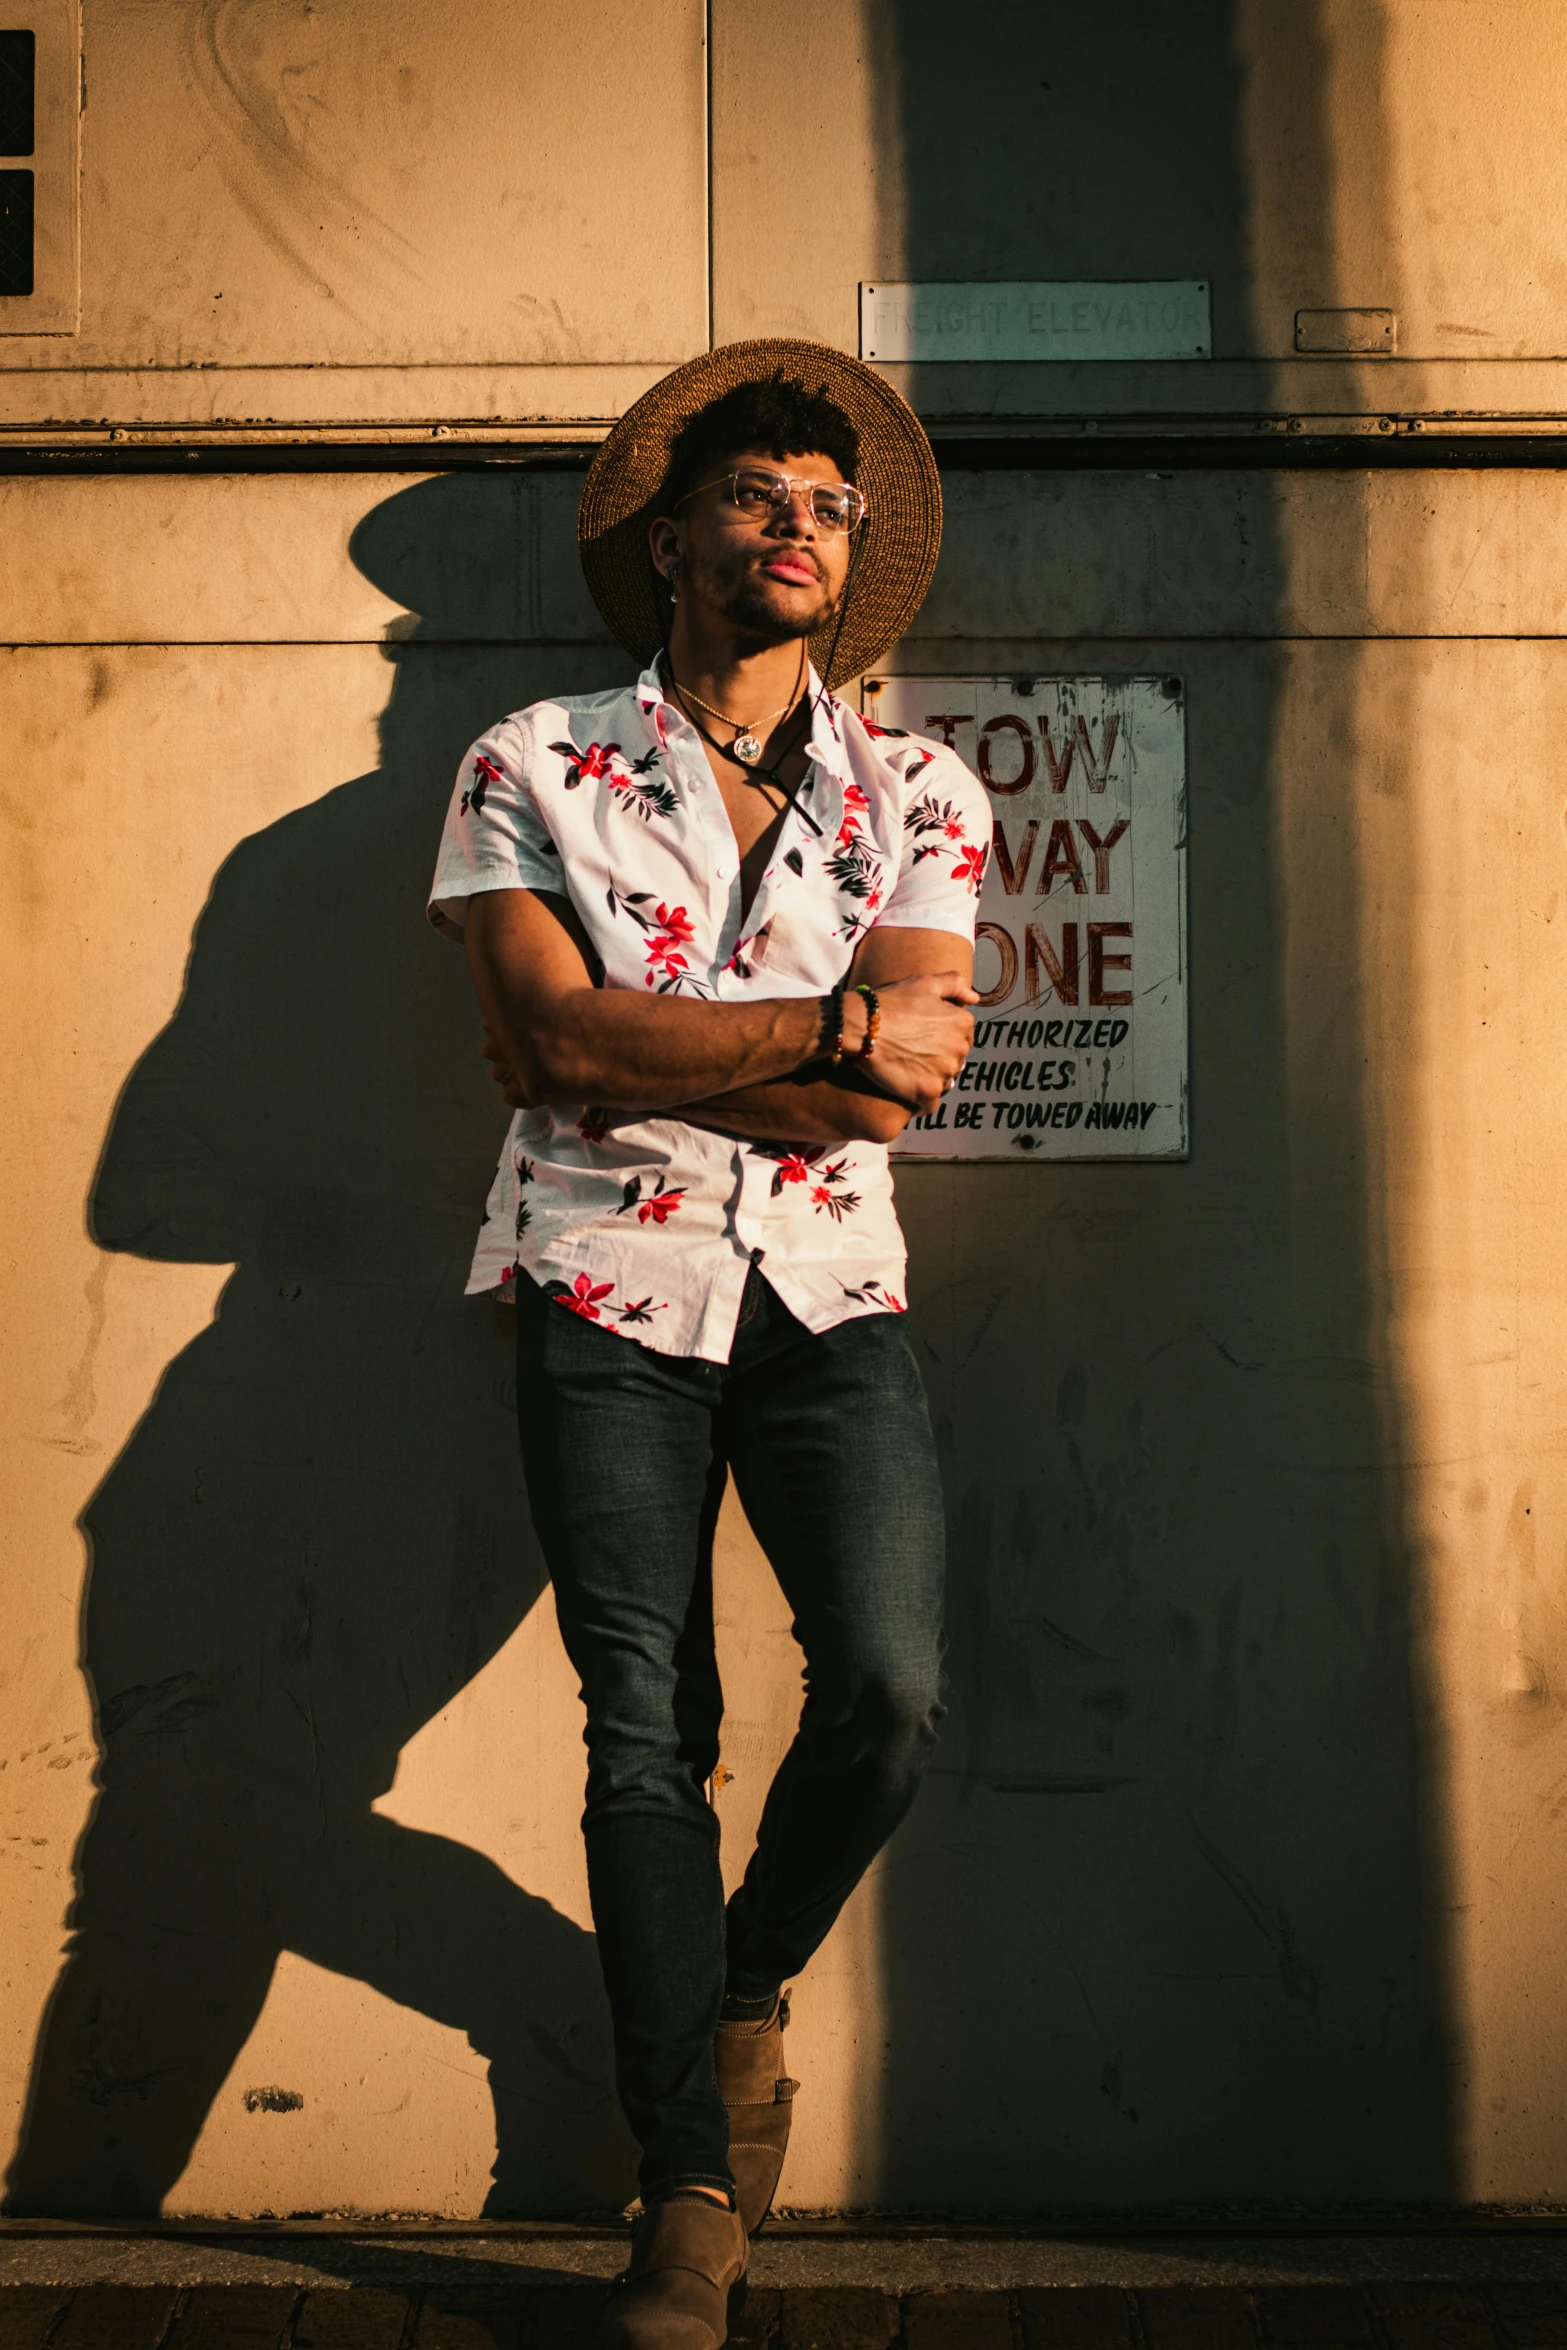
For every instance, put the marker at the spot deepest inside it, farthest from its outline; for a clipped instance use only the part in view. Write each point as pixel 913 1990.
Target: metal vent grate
pixel 17 59
pixel 16 232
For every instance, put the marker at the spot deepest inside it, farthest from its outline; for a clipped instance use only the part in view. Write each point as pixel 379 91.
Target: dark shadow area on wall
pixel 316 1534
pixel 1166 1927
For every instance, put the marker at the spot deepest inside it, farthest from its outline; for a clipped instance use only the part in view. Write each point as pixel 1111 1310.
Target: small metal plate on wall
pixel 1365 333
pixel 1036 319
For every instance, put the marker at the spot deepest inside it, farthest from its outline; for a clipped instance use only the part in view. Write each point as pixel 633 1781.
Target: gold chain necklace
pixel 747 745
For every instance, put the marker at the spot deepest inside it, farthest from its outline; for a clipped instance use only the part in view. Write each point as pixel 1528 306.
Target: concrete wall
pixel 1238 1878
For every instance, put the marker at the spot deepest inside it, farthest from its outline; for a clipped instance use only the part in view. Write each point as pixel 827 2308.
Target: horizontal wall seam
pixel 931 647
pixel 1252 451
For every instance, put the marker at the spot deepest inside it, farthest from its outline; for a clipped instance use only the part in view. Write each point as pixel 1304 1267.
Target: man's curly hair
pixel 776 413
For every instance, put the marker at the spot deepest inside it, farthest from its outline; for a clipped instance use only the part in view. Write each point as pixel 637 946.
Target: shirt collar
pixel 823 793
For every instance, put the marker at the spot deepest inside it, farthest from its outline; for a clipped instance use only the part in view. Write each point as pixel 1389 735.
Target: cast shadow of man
pixel 316 1534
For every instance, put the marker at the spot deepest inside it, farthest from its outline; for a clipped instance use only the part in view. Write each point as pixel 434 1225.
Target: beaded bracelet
pixel 832 1023
pixel 872 1020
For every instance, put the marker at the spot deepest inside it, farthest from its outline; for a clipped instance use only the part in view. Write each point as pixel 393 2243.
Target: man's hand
pixel 856 1101
pixel 924 1036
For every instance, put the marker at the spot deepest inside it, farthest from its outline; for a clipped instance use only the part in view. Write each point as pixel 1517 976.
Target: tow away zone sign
pixel 1080 1047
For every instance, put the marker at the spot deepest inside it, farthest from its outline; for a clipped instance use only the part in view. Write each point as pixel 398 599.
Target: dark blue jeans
pixel 625 1453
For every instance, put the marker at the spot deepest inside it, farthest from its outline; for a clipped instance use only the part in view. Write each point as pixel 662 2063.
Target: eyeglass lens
pixel 834 505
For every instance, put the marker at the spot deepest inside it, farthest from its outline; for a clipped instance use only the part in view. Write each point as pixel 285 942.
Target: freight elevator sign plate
pixel 1164 318
pixel 1080 1031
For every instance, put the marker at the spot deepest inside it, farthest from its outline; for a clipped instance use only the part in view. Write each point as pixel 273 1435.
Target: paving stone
pixel 848 2317
pixel 1432 2317
pixel 1201 2317
pixel 27 2312
pixel 362 2317
pixel 1075 2317
pixel 1534 2317
pixel 566 2316
pixel 755 2324
pixel 1314 2317
pixel 957 2321
pixel 470 2321
pixel 116 2317
pixel 235 2317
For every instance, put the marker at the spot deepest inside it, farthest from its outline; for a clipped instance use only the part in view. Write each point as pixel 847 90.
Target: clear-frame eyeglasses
pixel 758 492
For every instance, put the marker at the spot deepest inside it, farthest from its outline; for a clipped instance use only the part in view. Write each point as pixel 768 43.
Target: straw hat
pixel 901 532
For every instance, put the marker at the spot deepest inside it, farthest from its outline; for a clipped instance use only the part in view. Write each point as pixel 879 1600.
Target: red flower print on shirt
pixel 593 1125
pixel 666 966
pixel 660 1203
pixel 669 929
pixel 970 867
pixel 855 869
pixel 793 1168
pixel 873 1293
pixel 663 948
pixel 930 815
pixel 854 866
pixel 589 765
pixel 829 1194
pixel 648 794
pixel 583 1296
pixel 485 772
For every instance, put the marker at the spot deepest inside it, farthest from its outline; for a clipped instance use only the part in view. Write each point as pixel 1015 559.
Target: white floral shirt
pixel 648 1225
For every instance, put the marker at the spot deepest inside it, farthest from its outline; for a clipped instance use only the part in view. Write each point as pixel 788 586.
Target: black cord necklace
pixel 758 773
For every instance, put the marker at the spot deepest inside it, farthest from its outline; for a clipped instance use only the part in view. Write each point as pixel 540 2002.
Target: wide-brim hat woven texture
pixel 901 533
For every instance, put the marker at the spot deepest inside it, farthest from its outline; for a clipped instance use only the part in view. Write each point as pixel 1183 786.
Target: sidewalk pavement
pixel 811 2288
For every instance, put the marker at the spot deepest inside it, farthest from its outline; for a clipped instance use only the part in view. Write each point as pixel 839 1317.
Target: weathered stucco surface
pixel 1239 1877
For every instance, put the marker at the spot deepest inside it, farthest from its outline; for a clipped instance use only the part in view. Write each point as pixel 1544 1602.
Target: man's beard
pixel 739 594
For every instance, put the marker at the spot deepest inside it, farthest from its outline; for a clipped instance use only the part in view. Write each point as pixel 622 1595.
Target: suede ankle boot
pixel 759 2099
pixel 686 2258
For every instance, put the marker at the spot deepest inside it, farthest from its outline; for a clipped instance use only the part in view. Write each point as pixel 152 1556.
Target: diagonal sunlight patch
pixel 501 1768
pixel 343 2101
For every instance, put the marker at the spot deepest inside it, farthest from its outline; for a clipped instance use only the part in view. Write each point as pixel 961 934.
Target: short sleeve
pixel 946 840
pixel 495 837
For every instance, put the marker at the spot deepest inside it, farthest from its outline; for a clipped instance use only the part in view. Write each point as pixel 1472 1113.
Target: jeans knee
pixel 656 1758
pixel 892 1717
pixel 911 1712
pixel 650 1777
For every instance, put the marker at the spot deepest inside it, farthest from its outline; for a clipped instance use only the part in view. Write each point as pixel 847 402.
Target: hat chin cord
pixel 843 608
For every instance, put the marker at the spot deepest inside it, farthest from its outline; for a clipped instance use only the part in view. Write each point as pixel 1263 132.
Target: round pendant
pixel 746 748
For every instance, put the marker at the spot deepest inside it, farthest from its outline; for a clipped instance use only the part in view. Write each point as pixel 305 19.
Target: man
pixel 721 930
